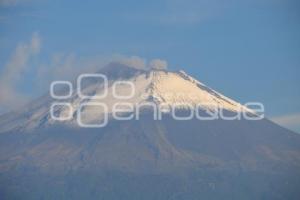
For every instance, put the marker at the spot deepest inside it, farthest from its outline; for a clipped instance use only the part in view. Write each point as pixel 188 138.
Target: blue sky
pixel 247 50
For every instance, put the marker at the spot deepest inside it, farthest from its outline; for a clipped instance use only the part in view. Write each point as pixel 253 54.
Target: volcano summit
pixel 144 158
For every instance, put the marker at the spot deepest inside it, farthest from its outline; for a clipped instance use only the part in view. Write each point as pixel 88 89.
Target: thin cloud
pixel 132 61
pixel 62 66
pixel 66 66
pixel 158 64
pixel 288 120
pixel 13 70
pixel 9 3
pixel 140 63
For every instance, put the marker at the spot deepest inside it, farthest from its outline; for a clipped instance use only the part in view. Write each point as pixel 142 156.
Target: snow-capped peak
pixel 160 87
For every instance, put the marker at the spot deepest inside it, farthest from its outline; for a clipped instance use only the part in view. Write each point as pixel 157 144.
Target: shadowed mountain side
pixel 41 158
pixel 194 158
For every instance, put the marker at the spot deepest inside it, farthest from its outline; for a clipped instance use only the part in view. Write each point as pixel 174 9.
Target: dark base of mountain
pixel 150 159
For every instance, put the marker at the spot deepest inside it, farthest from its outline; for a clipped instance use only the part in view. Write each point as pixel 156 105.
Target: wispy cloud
pixel 66 66
pixel 8 3
pixel 13 70
pixel 61 66
pixel 158 64
pixel 288 120
pixel 141 63
pixel 133 61
pixel 291 121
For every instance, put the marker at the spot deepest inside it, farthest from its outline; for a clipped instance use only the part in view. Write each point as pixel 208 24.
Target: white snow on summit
pixel 159 87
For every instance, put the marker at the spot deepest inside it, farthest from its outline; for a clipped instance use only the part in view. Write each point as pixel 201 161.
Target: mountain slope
pixel 147 158
pixel 162 88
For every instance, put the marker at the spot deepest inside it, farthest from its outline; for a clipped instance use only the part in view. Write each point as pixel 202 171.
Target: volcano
pixel 145 157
